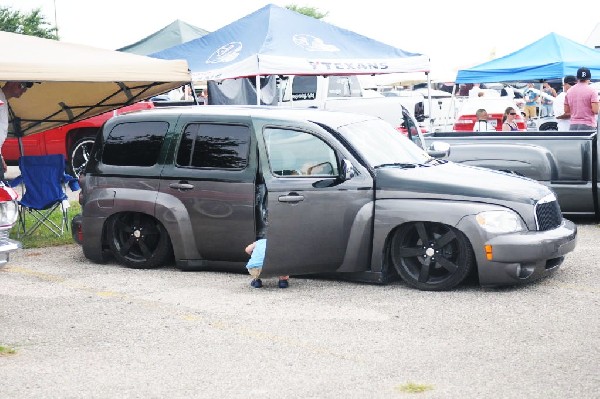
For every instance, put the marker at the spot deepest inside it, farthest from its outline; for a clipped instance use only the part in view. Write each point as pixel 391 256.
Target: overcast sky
pixel 453 33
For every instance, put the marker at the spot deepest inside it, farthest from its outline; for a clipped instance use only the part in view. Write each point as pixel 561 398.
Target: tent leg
pixel 257 89
pixel 430 127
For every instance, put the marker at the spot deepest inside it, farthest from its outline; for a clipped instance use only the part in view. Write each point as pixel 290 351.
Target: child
pixel 257 251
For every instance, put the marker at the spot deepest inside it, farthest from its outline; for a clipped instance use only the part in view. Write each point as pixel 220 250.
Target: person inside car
pixel 482 124
pixel 508 120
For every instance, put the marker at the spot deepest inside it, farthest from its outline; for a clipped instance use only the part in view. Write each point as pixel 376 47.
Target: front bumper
pixel 525 256
pixel 7 246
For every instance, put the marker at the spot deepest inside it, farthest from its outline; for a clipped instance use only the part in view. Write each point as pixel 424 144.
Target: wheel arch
pixel 390 215
pixel 74 135
pixel 173 215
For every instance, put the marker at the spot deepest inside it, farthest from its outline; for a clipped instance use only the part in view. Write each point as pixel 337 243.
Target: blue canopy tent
pixel 277 41
pixel 551 57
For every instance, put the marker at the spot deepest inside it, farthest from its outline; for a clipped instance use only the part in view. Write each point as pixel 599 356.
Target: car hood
pixel 456 181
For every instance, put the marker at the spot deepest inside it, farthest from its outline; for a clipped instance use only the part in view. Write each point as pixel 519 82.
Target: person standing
pixel 531 98
pixel 562 118
pixel 257 251
pixel 581 102
pixel 547 109
pixel 8 91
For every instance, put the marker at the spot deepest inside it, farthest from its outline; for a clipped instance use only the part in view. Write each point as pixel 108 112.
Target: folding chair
pixel 44 181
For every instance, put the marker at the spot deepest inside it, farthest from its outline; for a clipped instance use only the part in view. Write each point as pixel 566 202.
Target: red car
pixel 74 140
pixel 495 107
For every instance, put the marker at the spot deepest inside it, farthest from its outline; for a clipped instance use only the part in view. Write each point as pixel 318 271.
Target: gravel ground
pixel 84 330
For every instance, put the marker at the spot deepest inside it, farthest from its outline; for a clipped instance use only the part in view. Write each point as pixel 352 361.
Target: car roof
pixel 331 118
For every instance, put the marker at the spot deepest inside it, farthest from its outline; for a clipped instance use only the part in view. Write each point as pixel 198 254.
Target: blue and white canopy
pixel 551 57
pixel 278 41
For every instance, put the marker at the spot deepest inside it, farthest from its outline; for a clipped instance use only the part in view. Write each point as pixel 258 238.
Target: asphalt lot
pixel 83 330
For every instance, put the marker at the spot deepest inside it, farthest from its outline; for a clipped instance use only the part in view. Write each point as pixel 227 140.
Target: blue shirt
pixel 258 255
pixel 530 96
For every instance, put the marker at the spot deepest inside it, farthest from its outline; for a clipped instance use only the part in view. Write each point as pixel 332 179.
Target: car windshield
pixel 380 144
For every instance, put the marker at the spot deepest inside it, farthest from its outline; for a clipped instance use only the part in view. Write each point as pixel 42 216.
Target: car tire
pixel 138 241
pixel 80 155
pixel 431 256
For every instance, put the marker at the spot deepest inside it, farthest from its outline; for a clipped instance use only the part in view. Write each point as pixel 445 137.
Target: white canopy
pixel 75 82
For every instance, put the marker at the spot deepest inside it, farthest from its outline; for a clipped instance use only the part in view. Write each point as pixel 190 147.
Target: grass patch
pixel 6 351
pixel 43 237
pixel 411 387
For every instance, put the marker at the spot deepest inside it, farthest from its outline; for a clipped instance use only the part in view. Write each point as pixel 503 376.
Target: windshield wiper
pixel 396 165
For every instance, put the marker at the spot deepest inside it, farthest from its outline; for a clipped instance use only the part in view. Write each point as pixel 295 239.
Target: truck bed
pixel 564 161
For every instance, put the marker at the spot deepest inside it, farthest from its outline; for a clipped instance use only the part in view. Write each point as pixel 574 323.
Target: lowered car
pixel 334 193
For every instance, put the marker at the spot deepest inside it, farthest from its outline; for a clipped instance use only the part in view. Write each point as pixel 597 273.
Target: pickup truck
pixel 566 162
pixel 74 140
pixel 345 93
pixel 334 193
pixel 333 92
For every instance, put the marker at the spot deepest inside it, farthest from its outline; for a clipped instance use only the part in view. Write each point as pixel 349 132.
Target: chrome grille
pixel 547 214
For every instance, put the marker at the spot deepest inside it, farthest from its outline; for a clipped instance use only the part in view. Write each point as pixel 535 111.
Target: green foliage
pixel 31 24
pixel 43 237
pixel 308 11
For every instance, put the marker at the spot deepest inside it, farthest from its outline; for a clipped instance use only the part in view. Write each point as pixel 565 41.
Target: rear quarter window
pixel 134 144
pixel 210 145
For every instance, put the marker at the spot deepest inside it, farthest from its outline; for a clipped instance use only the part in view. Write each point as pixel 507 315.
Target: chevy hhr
pixel 333 193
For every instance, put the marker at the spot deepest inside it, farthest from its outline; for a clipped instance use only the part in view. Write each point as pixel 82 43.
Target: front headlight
pixel 500 222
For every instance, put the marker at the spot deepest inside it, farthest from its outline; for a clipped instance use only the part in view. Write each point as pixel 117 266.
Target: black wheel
pixel 431 256
pixel 80 155
pixel 138 241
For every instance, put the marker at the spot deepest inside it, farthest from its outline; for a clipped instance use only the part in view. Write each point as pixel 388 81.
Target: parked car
pixel 334 193
pixel 9 211
pixel 495 107
pixel 73 140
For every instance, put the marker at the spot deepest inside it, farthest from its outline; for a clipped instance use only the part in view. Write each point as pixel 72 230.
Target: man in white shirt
pixel 8 91
pixel 482 124
pixel 562 119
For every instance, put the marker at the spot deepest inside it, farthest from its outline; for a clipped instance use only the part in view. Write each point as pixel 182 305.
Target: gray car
pixel 334 193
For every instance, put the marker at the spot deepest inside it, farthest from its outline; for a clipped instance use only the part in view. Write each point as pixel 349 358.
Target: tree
pixel 32 23
pixel 308 11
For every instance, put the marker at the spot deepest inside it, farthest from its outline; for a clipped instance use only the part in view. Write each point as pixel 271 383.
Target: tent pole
pixel 430 128
pixel 257 89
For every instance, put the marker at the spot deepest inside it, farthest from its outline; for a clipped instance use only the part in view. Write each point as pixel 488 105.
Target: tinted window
pixel 206 145
pixel 134 144
pixel 293 153
pixel 304 88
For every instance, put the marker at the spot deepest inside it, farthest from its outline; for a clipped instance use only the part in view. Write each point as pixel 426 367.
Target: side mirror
pixel 348 171
pixel 439 149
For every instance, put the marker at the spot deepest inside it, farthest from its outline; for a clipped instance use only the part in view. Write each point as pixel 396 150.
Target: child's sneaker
pixel 283 284
pixel 256 283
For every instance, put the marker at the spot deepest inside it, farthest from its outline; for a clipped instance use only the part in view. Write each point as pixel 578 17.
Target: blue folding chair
pixel 44 181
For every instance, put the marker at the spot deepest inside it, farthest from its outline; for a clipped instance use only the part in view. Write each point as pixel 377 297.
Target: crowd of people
pixel 575 107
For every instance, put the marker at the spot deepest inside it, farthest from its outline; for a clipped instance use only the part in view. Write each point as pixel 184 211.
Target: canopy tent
pixel 74 82
pixel 551 57
pixel 175 33
pixel 278 41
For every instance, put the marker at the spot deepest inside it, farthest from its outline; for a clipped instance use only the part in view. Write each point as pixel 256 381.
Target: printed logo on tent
pixel 311 43
pixel 226 53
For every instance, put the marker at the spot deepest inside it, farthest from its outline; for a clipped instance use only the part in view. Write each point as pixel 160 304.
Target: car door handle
pixel 181 186
pixel 291 198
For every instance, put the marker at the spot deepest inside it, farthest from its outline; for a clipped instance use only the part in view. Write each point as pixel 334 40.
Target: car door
pixel 212 175
pixel 312 211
